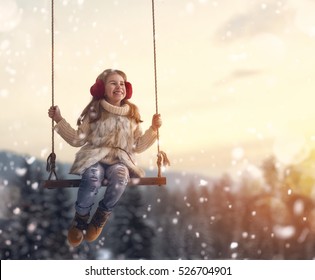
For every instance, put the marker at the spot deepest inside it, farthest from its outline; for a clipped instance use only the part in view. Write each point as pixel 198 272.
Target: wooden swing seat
pixel 74 183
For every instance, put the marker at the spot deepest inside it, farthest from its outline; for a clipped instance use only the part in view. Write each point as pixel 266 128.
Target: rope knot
pixel 51 165
pixel 162 160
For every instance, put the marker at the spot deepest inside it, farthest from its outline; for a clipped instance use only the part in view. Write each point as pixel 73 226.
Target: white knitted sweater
pixel 113 138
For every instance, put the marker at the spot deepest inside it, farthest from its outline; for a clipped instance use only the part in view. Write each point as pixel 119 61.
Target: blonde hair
pixel 95 109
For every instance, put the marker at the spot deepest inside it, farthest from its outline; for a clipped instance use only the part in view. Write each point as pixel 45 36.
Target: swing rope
pixel 162 158
pixel 51 160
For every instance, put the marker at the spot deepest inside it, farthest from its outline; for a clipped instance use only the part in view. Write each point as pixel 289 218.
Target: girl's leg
pixel 118 177
pixel 90 184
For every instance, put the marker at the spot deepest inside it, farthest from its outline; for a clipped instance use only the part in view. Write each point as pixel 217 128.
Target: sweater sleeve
pixel 143 141
pixel 74 137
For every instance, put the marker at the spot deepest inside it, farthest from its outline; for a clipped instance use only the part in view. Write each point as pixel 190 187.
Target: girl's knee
pixel 93 176
pixel 122 174
pixel 118 174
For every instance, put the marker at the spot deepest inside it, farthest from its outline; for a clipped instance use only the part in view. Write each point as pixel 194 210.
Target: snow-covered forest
pixel 265 218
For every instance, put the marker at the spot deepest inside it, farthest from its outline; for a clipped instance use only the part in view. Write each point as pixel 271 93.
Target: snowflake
pixel 35 185
pixel 16 211
pixel 20 171
pixel 233 245
pixel 284 232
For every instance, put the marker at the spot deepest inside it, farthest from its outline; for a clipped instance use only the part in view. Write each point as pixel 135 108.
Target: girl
pixel 110 133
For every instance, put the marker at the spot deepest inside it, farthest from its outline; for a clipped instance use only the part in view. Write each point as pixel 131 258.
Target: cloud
pixel 304 18
pixel 238 74
pixel 265 17
pixel 243 73
pixel 10 15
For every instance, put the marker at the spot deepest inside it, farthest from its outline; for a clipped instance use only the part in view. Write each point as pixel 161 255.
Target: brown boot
pixel 96 225
pixel 75 233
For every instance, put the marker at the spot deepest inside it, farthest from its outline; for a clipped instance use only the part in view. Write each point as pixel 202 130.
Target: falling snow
pixel 20 171
pixel 284 232
pixel 250 210
pixel 234 245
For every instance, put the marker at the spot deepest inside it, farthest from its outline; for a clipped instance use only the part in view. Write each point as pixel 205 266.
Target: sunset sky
pixel 235 78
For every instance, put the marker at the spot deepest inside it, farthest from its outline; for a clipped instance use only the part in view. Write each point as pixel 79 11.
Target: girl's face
pixel 115 90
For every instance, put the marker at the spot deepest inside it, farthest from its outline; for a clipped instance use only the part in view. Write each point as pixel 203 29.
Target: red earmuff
pixel 98 89
pixel 128 90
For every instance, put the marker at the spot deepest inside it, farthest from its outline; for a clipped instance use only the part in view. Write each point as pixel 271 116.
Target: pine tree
pixel 130 233
pixel 37 220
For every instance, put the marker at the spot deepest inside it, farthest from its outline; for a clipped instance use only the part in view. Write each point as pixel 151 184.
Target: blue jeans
pixel 117 176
